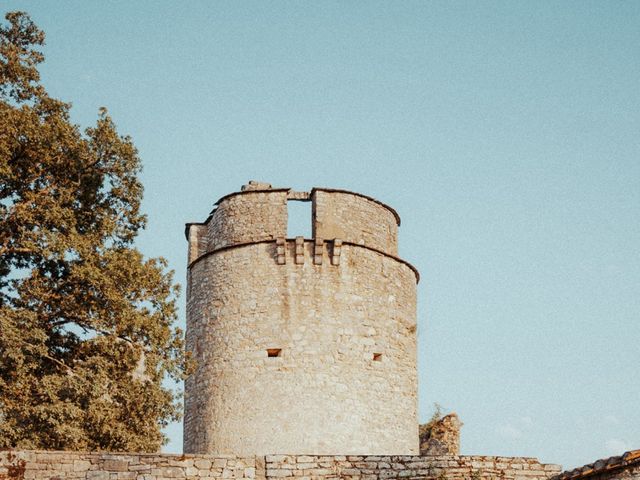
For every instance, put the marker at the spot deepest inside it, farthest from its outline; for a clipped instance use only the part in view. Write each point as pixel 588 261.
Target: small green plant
pixel 425 428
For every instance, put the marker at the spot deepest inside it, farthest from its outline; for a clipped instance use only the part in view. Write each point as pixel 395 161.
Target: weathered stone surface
pixel 248 217
pixel 441 437
pixel 17 465
pixel 408 467
pixel 355 218
pixel 69 465
pixel 255 185
pixel 335 343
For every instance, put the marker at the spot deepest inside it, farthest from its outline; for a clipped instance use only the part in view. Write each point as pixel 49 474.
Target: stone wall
pixel 248 216
pixel 342 378
pixel 354 218
pixel 27 465
pixel 308 467
pixel 197 237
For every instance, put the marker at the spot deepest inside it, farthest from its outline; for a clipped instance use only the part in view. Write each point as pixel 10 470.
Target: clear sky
pixel 506 134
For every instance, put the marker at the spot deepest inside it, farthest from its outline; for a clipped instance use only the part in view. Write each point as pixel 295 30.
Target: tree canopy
pixel 87 323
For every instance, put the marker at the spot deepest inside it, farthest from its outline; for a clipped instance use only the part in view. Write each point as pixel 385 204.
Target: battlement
pixel 258 212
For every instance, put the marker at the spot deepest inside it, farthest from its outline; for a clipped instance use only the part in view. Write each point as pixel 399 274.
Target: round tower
pixel 303 346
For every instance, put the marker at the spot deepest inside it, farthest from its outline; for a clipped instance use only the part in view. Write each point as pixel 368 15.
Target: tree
pixel 87 332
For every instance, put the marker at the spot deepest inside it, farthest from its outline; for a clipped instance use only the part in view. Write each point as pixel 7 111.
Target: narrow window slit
pixel 274 352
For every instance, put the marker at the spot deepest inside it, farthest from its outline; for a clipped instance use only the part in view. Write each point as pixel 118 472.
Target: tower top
pixel 258 213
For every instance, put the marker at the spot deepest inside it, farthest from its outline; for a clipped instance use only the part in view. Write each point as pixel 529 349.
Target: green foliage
pixel 425 428
pixel 86 322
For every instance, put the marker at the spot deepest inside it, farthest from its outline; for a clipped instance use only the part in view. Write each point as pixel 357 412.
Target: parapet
pixel 248 216
pixel 259 213
pixel 355 218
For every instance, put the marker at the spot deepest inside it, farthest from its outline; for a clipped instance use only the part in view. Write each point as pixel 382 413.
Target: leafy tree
pixel 87 329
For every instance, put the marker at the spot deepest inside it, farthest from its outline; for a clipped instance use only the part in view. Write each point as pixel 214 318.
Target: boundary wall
pixel 57 465
pixel 27 465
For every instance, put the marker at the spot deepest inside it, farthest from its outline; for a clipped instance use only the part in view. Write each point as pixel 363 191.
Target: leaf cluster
pixel 87 332
pixel 426 429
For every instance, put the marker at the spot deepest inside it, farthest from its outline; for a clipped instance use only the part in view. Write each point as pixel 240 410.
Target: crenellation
pixel 82 465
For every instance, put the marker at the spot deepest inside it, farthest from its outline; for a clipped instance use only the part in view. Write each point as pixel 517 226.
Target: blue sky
pixel 506 134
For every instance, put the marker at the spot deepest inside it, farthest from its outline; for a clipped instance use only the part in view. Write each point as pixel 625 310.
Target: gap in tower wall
pixel 299 219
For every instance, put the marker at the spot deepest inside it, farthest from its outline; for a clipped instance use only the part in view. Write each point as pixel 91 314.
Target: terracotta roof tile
pixel 601 466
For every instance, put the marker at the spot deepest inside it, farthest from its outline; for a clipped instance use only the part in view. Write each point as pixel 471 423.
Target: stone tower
pixel 303 346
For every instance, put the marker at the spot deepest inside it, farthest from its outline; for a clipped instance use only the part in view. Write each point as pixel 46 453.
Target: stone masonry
pixel 54 465
pixel 302 345
pixel 441 437
pixel 51 465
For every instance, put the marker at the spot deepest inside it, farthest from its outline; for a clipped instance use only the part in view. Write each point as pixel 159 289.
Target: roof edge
pixel 604 465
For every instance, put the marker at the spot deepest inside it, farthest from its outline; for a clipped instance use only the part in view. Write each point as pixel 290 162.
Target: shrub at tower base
pixel 86 322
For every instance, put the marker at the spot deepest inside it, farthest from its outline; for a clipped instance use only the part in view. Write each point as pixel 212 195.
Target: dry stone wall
pixel 36 465
pixel 370 467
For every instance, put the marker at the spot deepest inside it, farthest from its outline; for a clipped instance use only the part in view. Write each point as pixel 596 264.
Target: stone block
pixel 126 475
pixel 115 465
pixel 318 471
pixel 280 459
pixel 98 475
pixel 203 463
pixel 81 465
pixel 350 471
pixel 168 472
pixel 279 473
